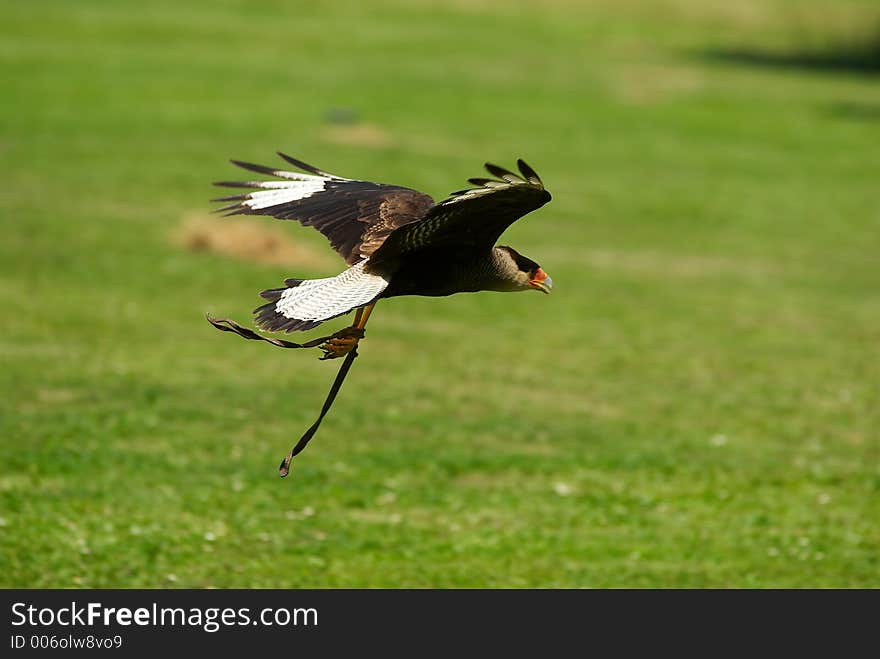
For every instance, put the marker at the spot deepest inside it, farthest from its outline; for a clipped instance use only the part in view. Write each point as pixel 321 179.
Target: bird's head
pixel 525 273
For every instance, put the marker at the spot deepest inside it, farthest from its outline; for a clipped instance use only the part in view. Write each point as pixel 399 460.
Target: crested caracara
pixel 396 241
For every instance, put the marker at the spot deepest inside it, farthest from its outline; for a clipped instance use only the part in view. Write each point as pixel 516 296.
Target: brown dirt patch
pixel 368 135
pixel 249 239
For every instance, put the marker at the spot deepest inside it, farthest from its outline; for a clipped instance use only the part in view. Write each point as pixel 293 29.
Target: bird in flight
pixel 395 240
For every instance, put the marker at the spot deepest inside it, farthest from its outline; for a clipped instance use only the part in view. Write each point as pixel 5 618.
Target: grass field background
pixel 695 405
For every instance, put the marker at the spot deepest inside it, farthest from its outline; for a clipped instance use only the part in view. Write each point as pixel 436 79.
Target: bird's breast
pixel 441 273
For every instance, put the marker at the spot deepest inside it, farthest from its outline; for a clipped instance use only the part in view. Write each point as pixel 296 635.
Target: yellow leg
pixel 357 316
pixel 346 340
pixel 363 315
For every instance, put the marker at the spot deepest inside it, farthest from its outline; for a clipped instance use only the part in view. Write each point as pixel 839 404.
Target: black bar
pixel 423 622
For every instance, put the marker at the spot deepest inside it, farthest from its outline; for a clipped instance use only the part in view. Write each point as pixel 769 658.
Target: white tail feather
pixel 322 299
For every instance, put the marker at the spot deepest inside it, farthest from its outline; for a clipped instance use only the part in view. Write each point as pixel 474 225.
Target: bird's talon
pixel 342 343
pixel 335 348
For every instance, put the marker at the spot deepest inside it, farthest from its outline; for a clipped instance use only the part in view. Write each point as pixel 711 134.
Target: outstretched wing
pixel 355 216
pixel 476 217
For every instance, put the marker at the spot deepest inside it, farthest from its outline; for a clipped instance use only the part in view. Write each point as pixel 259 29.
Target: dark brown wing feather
pixel 476 217
pixel 355 216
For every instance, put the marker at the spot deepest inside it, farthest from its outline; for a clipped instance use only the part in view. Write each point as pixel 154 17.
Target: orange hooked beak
pixel 541 280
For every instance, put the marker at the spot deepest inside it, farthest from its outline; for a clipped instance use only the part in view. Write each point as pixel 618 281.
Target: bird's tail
pixel 306 303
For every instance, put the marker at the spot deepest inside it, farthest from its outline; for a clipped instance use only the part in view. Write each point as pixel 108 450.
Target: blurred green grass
pixel 695 405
